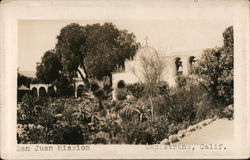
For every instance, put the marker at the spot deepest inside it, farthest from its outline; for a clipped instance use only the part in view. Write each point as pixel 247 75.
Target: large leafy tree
pixel 23 80
pixel 50 71
pixel 106 48
pixel 215 70
pixel 94 51
pixel 49 68
pixel 69 49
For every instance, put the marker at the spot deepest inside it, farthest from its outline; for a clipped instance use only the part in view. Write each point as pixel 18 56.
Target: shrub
pixel 149 132
pixel 189 101
pixel 29 109
pixel 64 120
pixel 164 88
pixel 136 89
pixel 215 69
pixel 129 121
pixel 30 133
pixel 228 112
pixel 136 112
pixel 121 93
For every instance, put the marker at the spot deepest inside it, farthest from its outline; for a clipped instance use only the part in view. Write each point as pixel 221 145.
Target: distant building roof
pixel 23 87
pixel 31 74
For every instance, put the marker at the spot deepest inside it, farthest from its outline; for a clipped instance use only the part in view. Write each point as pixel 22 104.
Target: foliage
pixel 23 80
pixel 49 68
pixel 189 101
pixel 81 121
pixel 29 108
pixel 35 80
pixel 91 52
pixel 121 93
pixel 69 46
pixel 94 50
pixel 106 48
pixel 136 112
pixel 69 121
pixel 152 67
pixel 228 112
pixel 152 71
pixel 96 119
pixel 101 89
pixel 136 89
pixel 49 71
pixel 63 121
pixel 181 81
pixel 215 70
pixel 163 88
pixel 30 133
pixel 62 84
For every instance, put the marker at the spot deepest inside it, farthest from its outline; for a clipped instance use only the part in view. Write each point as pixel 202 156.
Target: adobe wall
pixel 131 74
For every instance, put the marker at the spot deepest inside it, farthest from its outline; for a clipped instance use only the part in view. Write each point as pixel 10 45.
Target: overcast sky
pixel 35 37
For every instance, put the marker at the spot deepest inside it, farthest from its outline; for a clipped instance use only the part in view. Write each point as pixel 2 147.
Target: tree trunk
pixel 85 71
pixel 85 79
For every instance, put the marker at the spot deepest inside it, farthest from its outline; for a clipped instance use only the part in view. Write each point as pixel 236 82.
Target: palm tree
pixel 101 89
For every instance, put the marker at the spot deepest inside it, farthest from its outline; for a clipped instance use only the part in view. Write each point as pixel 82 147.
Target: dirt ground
pixel 219 131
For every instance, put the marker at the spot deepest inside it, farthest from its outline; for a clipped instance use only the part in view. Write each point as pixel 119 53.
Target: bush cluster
pixel 138 90
pixel 127 121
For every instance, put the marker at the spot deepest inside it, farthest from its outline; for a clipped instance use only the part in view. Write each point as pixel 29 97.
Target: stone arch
pixel 42 91
pixel 80 89
pixel 34 91
pixel 51 91
pixel 121 84
pixel 191 61
pixel 121 90
pixel 178 66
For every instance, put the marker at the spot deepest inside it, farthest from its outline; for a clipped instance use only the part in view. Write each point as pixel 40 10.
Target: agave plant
pixel 139 111
pixel 142 112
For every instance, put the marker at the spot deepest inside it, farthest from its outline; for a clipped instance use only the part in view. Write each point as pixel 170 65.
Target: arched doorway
pixel 51 91
pixel 121 90
pixel 191 61
pixel 121 84
pixel 42 92
pixel 34 92
pixel 80 90
pixel 178 66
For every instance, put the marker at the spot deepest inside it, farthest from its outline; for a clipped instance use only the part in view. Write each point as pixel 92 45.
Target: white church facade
pixel 174 63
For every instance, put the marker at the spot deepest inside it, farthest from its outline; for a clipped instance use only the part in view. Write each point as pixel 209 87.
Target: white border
pixel 14 10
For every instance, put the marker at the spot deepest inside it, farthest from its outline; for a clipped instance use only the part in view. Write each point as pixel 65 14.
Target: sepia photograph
pixel 92 79
pixel 124 82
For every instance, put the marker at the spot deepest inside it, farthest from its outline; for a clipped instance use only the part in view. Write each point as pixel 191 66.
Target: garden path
pixel 220 131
